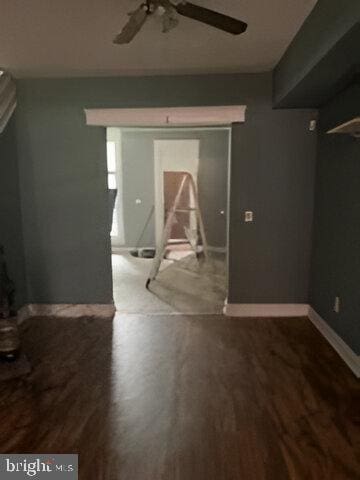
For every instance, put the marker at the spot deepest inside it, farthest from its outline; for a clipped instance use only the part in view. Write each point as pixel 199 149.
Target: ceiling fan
pixel 170 11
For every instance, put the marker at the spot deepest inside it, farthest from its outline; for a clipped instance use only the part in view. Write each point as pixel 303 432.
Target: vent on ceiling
pixel 352 127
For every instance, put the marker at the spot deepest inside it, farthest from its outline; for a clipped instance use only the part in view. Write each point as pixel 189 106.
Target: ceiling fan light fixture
pixel 160 11
pixel 169 12
pixel 170 22
pixel 169 17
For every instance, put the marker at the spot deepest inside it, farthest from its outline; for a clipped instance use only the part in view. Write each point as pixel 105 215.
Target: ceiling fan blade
pixel 215 19
pixel 136 21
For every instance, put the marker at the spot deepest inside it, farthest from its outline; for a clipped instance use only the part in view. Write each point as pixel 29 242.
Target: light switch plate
pixel 312 125
pixel 249 216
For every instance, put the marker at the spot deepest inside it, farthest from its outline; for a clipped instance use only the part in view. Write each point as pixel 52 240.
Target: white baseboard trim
pixel 64 310
pixel 351 359
pixel 217 249
pixel 346 353
pixel 117 250
pixel 266 309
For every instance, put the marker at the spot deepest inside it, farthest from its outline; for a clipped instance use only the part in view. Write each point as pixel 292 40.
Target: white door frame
pixel 176 155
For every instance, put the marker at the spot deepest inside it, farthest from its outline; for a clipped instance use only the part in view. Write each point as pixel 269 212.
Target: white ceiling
pixel 74 38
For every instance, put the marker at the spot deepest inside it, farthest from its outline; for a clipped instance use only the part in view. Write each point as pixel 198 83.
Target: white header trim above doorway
pixel 160 117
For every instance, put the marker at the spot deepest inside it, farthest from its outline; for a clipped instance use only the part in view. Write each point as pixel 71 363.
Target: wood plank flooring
pixel 185 398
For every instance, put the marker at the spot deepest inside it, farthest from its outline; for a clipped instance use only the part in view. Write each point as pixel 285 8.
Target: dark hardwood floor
pixel 185 398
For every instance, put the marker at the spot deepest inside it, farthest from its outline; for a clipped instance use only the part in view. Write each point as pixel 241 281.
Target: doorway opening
pixel 145 167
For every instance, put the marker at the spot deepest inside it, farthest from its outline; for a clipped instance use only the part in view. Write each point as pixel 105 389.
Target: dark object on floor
pixel 7 289
pixel 9 334
pixel 143 253
pixel 147 253
pixel 137 251
pixel 9 339
pixel 14 369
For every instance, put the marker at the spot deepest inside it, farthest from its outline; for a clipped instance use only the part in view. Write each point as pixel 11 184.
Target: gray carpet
pixel 183 286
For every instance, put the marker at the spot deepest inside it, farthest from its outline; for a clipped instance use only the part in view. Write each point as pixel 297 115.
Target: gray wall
pixel 328 23
pixel 336 250
pixel 10 214
pixel 138 182
pixel 272 171
pixel 62 166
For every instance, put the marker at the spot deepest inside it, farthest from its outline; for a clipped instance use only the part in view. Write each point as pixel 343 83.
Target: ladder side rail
pixel 166 233
pixel 200 218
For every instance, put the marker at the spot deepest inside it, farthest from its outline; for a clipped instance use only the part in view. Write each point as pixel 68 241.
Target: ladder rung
pixel 184 242
pixel 185 209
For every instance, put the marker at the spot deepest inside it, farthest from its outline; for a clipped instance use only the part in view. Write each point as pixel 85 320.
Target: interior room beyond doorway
pixel 145 167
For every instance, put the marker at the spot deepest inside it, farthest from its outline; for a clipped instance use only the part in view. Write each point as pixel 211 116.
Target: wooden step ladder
pixel 186 181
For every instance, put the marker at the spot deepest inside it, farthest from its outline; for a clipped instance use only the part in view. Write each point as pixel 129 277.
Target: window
pixel 114 173
pixel 111 166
